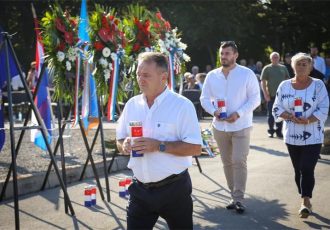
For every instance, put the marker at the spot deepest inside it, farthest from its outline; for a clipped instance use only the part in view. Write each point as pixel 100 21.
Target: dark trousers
pixel 271 119
pixel 172 202
pixel 304 159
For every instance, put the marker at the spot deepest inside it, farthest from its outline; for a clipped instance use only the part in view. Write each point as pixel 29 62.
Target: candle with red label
pixel 136 131
pixel 298 107
pixel 222 107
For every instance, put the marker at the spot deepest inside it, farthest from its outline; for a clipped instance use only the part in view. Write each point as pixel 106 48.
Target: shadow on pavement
pixel 325 220
pixel 324 161
pixel 36 217
pixel 269 151
pixel 260 214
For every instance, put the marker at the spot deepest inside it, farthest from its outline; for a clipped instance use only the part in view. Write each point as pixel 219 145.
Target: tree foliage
pixel 258 26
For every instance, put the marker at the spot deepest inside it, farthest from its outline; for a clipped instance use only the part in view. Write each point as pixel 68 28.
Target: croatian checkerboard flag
pixel 42 100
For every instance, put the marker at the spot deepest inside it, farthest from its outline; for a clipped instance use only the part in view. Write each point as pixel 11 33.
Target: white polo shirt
pixel 172 117
pixel 241 92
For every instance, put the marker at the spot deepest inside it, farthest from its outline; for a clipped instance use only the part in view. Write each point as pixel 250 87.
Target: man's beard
pixel 228 63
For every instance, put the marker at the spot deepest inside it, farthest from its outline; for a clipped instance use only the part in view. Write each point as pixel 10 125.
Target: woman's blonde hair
pixel 301 56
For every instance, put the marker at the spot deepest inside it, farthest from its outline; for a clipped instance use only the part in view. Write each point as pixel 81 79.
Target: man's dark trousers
pixel 172 202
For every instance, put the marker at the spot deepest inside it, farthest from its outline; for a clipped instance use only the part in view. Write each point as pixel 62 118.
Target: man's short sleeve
pixel 189 129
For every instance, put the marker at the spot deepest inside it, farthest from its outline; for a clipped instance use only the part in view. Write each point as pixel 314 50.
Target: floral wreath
pixel 108 41
pixel 169 42
pixel 137 25
pixel 60 36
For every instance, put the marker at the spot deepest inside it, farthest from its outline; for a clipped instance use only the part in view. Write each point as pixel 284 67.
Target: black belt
pixel 166 181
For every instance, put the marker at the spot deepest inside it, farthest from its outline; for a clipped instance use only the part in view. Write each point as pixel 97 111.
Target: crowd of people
pixel 171 135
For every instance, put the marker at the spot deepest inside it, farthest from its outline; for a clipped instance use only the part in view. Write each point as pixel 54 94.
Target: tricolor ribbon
pixel 85 96
pixel 76 93
pixel 171 83
pixel 113 89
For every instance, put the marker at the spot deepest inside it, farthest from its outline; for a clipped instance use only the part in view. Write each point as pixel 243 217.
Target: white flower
pixel 182 46
pixel 68 65
pixel 60 56
pixel 106 52
pixel 185 57
pixel 114 56
pixel 110 66
pixel 72 54
pixel 103 62
pixel 106 73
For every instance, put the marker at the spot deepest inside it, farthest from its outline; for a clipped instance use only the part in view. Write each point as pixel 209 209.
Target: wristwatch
pixel 162 146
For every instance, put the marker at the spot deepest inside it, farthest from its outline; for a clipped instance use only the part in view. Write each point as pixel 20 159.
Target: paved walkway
pixel 272 200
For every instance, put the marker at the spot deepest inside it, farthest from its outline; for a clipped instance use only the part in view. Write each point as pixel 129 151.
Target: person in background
pixel 317 74
pixel 171 136
pixel 258 70
pixel 243 62
pixel 194 71
pixel 327 68
pixel 208 68
pixel 318 61
pixel 200 77
pixel 238 87
pixel 32 76
pixel 327 75
pixel 303 133
pixel 271 76
pixel 191 83
pixel 287 64
pixel 251 64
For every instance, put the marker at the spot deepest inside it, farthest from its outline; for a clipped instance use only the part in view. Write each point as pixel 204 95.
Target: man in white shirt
pixel 239 88
pixel 171 136
pixel 319 62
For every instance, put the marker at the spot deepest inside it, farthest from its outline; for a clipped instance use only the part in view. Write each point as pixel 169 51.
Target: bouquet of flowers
pixel 140 38
pixel 60 37
pixel 108 42
pixel 169 41
pixel 138 29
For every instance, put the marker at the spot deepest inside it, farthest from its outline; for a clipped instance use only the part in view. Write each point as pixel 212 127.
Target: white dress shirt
pixel 241 92
pixel 315 102
pixel 319 64
pixel 172 117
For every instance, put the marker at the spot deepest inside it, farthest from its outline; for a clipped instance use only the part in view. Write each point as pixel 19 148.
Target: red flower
pixel 167 25
pixel 98 45
pixel 136 47
pixel 73 22
pixel 156 25
pixel 61 46
pixel 103 33
pixel 104 22
pixel 59 25
pixel 159 16
pixel 68 37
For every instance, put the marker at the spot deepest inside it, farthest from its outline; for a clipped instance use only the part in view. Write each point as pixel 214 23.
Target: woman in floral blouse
pixel 303 103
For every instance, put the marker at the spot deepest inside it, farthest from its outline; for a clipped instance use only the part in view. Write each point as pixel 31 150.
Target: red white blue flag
pixel 42 100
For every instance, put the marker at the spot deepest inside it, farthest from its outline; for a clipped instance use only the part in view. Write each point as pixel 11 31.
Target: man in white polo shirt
pixel 171 136
pixel 237 88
